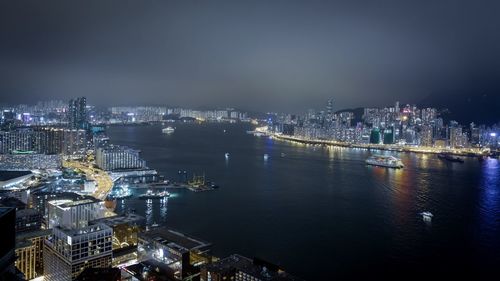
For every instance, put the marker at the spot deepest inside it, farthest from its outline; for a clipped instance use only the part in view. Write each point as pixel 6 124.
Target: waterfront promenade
pixel 388 147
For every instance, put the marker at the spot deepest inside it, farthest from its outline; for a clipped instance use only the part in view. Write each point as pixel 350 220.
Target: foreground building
pixel 29 252
pixel 74 214
pixel 68 252
pixel 240 268
pixel 180 255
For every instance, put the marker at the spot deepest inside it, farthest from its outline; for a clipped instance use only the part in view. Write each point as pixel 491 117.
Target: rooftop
pixel 173 238
pixel 84 230
pixel 256 268
pixel 121 219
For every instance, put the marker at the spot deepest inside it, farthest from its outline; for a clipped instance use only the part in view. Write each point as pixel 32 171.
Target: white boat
pixel 226 155
pixel 266 156
pixel 385 161
pixel 427 216
pixel 168 130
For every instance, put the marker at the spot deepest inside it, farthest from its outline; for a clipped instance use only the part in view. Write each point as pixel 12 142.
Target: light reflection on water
pixel 321 198
pixel 489 200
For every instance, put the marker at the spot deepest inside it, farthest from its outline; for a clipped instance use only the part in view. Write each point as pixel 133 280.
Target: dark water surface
pixel 321 212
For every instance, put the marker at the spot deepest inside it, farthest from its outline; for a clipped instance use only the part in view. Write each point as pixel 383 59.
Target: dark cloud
pixel 253 54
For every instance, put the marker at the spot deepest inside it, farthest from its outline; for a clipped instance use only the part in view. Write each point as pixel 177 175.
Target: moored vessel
pixel 168 130
pixel 154 195
pixel 451 158
pixel 385 161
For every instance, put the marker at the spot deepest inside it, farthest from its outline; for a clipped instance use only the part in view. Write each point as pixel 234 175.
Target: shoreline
pixel 397 148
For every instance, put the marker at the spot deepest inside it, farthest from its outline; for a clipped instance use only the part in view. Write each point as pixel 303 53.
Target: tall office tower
pixel 29 252
pixel 455 135
pixel 389 135
pixel 68 252
pixel 74 214
pixel 375 136
pixel 77 113
pixel 7 252
pixel 426 136
pixel 329 109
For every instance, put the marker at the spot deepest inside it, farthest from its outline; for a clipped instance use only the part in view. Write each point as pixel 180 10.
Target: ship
pixel 385 161
pixel 451 158
pixel 154 195
pixel 168 130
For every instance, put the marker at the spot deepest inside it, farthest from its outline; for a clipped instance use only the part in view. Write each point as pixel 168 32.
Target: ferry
pixel 385 161
pixel 168 130
pixel 427 216
pixel 154 195
pixel 451 158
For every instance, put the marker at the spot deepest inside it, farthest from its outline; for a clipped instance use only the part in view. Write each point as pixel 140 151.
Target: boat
pixel 451 158
pixel 283 154
pixel 427 216
pixel 266 156
pixel 168 130
pixel 226 155
pixel 154 195
pixel 385 161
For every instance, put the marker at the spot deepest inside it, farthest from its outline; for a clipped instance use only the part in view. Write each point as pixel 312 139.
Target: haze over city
pixel 259 55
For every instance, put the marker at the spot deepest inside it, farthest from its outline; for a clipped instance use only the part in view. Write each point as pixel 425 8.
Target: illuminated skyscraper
pixel 68 252
pixel 77 113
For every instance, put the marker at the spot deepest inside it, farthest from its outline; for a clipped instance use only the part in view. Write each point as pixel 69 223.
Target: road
pixel 102 179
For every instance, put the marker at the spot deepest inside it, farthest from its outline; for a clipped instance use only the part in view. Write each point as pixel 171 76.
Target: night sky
pixel 257 55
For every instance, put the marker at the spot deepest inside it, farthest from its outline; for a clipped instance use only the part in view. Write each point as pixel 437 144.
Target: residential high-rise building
pixel 426 138
pixel 77 113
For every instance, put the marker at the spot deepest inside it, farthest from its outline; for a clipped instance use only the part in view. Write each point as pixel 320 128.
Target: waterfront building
pixel 375 136
pixel 426 136
pixel 74 214
pixel 240 268
pixel 29 252
pixel 68 252
pixel 182 255
pixel 389 135
pixel 116 157
pixel 455 135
